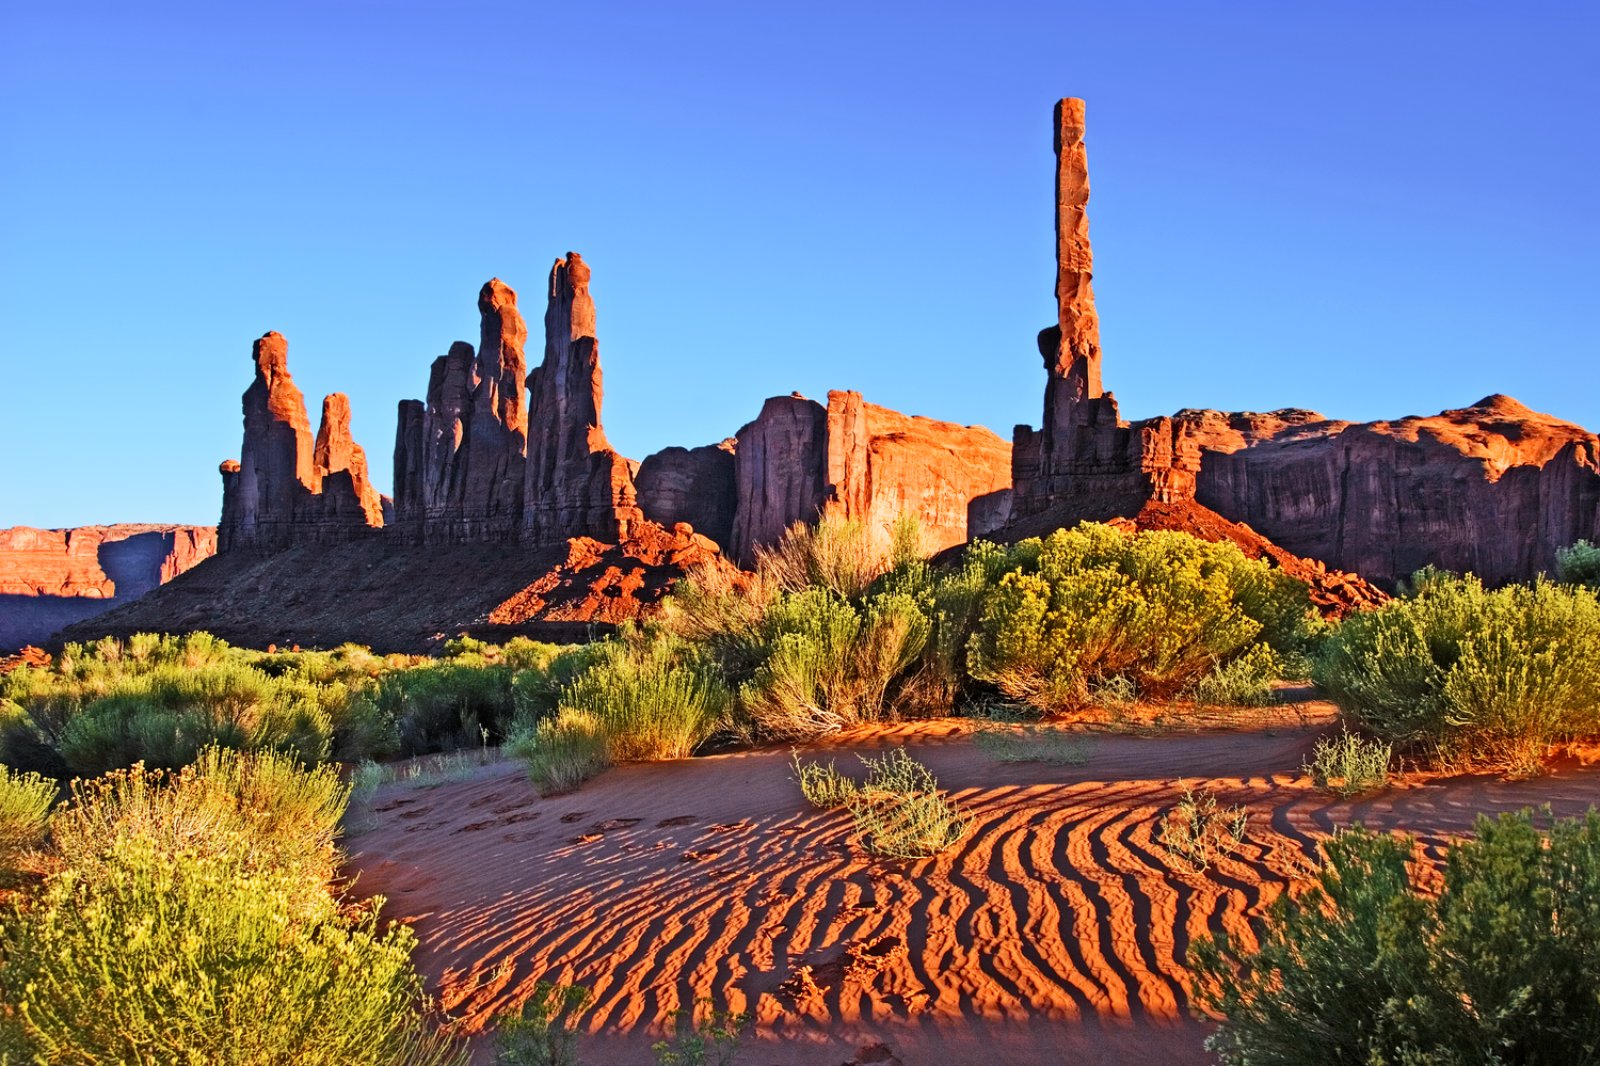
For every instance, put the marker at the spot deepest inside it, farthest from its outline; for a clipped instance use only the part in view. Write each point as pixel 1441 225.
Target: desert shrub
pixel 543 1032
pixel 823 786
pixel 445 705
pixel 1245 681
pixel 1161 609
pixel 196 912
pixel 1500 966
pixel 704 1035
pixel 206 960
pixel 1579 564
pixel 899 811
pixel 837 554
pixel 952 600
pixel 723 613
pixel 829 665
pixel 1033 743
pixel 164 716
pixel 651 698
pixel 540 677
pixel 262 810
pixel 1471 674
pixel 1198 831
pixel 25 802
pixel 1349 764
pixel 561 752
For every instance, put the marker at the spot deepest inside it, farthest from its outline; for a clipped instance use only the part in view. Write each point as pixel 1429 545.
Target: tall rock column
pixel 491 490
pixel 576 485
pixel 276 469
pixel 1072 353
pixel 348 499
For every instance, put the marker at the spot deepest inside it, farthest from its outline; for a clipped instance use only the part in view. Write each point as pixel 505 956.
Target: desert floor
pixel 1055 931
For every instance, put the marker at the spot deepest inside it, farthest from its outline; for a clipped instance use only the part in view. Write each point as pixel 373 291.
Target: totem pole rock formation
pixel 284 489
pixel 1494 488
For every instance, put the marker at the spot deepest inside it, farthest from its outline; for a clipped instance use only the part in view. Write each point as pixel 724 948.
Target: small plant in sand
pixel 1199 830
pixel 25 802
pixel 704 1036
pixel 1349 764
pixel 1034 743
pixel 901 814
pixel 563 752
pixel 823 786
pixel 544 1031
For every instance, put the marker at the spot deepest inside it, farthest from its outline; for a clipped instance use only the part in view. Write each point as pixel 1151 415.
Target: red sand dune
pixel 1055 929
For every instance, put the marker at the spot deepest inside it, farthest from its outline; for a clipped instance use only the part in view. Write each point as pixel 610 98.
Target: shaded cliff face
pixel 1493 488
pixel 285 488
pixel 50 578
pixel 697 486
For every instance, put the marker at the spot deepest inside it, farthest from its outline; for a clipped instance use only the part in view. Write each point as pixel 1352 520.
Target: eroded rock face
pixel 859 461
pixel 698 486
pixel 52 577
pixel 780 472
pixel 284 488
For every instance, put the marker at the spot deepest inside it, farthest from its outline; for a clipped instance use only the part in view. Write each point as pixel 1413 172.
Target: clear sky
pixel 1372 209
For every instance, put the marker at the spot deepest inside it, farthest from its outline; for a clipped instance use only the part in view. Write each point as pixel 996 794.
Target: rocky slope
pixel 50 578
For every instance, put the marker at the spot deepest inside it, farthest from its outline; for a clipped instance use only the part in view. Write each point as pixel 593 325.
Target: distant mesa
pixel 512 513
pixel 50 578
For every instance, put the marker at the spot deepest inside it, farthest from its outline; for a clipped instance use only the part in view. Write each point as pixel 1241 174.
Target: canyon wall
pixel 52 577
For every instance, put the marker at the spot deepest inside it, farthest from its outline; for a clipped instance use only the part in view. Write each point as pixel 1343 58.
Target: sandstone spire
pixel 276 468
pixel 1072 349
pixel 341 467
pixel 576 485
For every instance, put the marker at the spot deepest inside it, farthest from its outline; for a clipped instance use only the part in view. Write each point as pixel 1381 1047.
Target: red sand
pixel 1055 930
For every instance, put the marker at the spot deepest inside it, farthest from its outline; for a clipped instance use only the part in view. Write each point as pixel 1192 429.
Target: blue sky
pixel 1369 209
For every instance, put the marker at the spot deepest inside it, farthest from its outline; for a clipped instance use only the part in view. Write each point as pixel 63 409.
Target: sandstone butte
pixel 52 577
pixel 512 513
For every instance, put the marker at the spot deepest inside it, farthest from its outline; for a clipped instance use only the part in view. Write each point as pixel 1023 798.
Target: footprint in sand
pixel 699 856
pixel 575 816
pixel 519 838
pixel 524 816
pixel 673 823
pixel 587 838
pixel 509 807
pixel 418 813
pixel 394 805
pixel 729 827
pixel 484 801
pixel 617 823
pixel 474 827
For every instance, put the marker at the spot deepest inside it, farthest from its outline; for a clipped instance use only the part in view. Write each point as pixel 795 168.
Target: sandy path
pixel 1056 928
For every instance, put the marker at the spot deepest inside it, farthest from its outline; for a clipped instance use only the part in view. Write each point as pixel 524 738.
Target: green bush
pixel 823 786
pixel 1160 609
pixel 704 1035
pixel 543 1032
pixel 1579 564
pixel 190 920
pixel 25 802
pixel 205 960
pixel 829 665
pixel 900 813
pixel 561 752
pixel 1500 966
pixel 836 554
pixel 651 699
pixel 446 705
pixel 1199 831
pixel 1469 674
pixel 166 715
pixel 1245 681
pixel 1349 764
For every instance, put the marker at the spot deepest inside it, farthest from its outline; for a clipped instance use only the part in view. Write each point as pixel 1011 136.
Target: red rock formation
pixel 868 463
pixel 273 495
pixel 576 485
pixel 52 577
pixel 780 472
pixel 488 490
pixel 693 485
pixel 1494 488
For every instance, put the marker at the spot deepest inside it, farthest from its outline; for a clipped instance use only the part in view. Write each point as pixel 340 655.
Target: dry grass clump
pixel 25 802
pixel 1033 743
pixel 1349 764
pixel 899 811
pixel 1199 830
